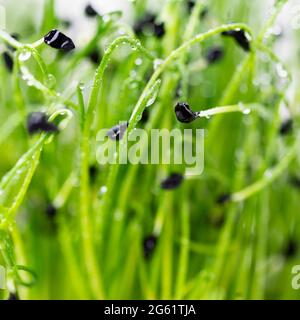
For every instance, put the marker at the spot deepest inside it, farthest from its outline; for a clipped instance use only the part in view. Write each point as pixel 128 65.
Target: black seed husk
pixel 38 122
pixel 51 210
pixel 90 11
pixel 145 116
pixel 240 36
pixel 58 40
pixel 291 249
pixel 214 55
pixel 159 30
pixel 95 57
pixel 223 198
pixel 183 113
pixel 172 182
pixel 149 245
pixel 93 172
pixel 8 61
pixel 117 132
pixel 286 127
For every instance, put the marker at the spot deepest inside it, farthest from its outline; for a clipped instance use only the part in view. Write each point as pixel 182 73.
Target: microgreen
pixel 149 231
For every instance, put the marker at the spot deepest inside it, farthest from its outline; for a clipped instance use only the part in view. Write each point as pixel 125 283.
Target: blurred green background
pixel 92 244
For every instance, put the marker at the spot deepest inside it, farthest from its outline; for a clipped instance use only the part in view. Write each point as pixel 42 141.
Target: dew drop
pixel 157 63
pixel 246 111
pixel 133 74
pixel 138 61
pixel 24 55
pixel 81 86
pixel 121 32
pixel 153 93
pixel 50 81
pixel 277 31
pixel 103 190
pixel 282 73
pixel 268 174
pixel 150 102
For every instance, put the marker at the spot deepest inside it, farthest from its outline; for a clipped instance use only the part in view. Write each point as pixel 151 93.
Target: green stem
pixel 85 218
pixel 269 177
pixel 184 246
pixel 136 45
pixel 226 109
pixel 236 80
pixel 193 21
pixel 10 40
pixel 89 254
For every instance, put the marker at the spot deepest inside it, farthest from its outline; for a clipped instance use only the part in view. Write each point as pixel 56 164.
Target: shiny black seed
pixel 291 249
pixel 38 122
pixel 117 132
pixel 149 245
pixel 183 113
pixel 214 55
pixel 8 61
pixel 159 30
pixel 51 210
pixel 58 40
pixel 286 127
pixel 240 36
pixel 223 199
pixel 90 11
pixel 95 57
pixel 172 182
pixel 93 172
